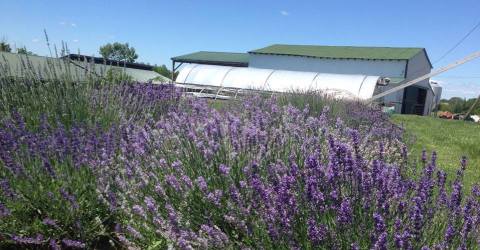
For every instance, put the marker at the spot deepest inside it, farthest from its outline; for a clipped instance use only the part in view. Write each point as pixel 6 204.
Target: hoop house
pixel 225 77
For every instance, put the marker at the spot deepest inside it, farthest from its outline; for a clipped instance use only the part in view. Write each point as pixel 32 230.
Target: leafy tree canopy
pixel 5 47
pixel 459 105
pixel 24 51
pixel 119 52
pixel 164 71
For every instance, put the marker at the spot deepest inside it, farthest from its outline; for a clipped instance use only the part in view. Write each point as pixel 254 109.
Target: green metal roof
pixel 216 58
pixel 340 52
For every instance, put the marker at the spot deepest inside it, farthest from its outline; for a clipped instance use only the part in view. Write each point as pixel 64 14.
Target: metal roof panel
pixel 341 52
pixel 215 58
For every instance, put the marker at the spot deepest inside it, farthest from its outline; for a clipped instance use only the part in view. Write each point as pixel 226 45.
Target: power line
pixel 459 42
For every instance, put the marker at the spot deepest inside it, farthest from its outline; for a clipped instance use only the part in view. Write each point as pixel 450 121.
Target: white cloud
pixel 65 23
pixel 35 40
pixel 75 40
pixel 284 13
pixel 460 88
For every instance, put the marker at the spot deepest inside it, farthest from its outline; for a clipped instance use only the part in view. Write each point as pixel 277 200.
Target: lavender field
pixel 102 165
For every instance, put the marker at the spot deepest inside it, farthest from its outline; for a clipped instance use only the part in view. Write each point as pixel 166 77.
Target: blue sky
pixel 162 29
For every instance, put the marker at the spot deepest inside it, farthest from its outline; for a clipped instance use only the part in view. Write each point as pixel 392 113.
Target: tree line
pixel 459 105
pixel 5 47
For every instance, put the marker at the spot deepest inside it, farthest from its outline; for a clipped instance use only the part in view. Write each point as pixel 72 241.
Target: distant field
pixel 451 139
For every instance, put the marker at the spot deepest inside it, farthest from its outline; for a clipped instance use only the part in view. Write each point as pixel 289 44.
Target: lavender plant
pixel 262 173
pixel 49 171
pixel 62 92
pixel 48 191
pixel 266 176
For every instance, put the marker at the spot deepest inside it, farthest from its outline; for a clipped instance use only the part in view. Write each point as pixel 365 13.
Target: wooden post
pixel 471 108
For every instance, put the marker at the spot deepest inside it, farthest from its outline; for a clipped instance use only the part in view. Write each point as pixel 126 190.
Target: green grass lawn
pixel 451 139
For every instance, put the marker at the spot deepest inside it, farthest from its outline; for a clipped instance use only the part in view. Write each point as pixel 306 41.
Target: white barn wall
pixel 391 68
pixel 394 98
pixel 419 66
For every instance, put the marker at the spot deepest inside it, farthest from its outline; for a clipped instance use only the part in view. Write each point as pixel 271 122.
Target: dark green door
pixel 414 100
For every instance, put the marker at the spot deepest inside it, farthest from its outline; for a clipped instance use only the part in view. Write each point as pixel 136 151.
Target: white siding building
pixel 398 64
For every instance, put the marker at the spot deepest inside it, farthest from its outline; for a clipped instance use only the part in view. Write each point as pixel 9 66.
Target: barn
pixel 347 68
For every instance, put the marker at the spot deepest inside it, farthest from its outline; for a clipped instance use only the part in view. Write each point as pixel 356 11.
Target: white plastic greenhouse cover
pixel 340 85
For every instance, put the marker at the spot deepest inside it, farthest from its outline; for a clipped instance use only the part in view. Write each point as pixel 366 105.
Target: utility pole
pixel 471 108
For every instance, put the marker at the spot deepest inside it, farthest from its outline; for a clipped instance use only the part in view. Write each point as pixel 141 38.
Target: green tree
pixel 119 52
pixel 164 71
pixel 457 104
pixel 117 75
pixel 24 51
pixel 5 47
pixel 444 106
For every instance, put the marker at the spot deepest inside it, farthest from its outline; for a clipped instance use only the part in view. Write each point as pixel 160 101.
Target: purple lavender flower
pixel 234 194
pixel 224 169
pixel 48 167
pixel 215 197
pixel 73 243
pixel 150 202
pixel 53 245
pixel 50 222
pixel 379 223
pixel 173 182
pixel 456 196
pixel 138 210
pixel 424 156
pixel 176 164
pixel 202 184
pixel 381 243
pixel 216 236
pixel 159 190
pixel 316 232
pixel 344 215
pixel 4 211
pixel 112 200
pixel 449 233
pixel 133 232
pixel 186 181
pixel 38 240
pixel 69 197
pixel 6 189
pixel 476 190
pixel 354 246
pixel 463 163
